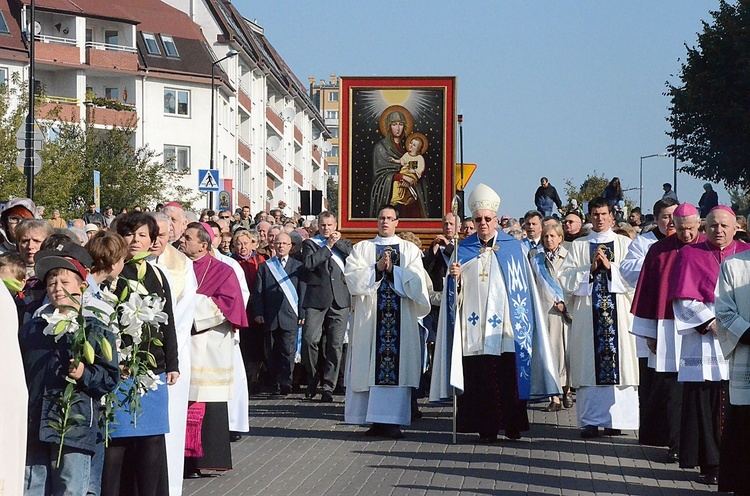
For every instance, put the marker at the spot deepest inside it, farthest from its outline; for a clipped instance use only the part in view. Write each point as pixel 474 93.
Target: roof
pixel 89 8
pixel 12 12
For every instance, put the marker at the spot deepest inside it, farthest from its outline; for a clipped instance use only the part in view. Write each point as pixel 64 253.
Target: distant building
pixel 325 97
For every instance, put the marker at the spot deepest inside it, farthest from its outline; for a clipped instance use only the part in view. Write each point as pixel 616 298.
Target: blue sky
pixel 547 88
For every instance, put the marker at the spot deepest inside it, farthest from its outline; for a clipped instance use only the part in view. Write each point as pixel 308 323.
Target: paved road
pixel 301 447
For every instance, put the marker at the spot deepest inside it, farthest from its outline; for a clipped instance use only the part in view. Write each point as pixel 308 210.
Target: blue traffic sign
pixel 208 180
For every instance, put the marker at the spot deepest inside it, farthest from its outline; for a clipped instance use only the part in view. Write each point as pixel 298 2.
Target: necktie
pixel 283 262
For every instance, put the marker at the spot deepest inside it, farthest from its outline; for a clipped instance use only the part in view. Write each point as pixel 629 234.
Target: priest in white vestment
pixel 733 330
pixel 603 360
pixel 386 279
pixel 183 285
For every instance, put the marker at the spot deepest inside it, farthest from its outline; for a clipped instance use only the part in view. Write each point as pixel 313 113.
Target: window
pixel 112 93
pixel 89 35
pixel 334 132
pixel 334 151
pixel 333 170
pixel 3 25
pixel 333 96
pixel 176 102
pixel 332 114
pixel 152 47
pixel 177 158
pixel 3 76
pixel 111 37
pixel 169 47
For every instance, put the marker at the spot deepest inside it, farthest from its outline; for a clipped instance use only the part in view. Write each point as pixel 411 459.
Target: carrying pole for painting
pixel 454 259
pixel 458 199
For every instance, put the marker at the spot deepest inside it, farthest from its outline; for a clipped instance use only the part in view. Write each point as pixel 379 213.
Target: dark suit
pixel 326 310
pixel 437 268
pixel 280 318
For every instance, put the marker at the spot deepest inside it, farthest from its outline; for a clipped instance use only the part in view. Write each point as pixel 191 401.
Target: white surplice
pixel 366 401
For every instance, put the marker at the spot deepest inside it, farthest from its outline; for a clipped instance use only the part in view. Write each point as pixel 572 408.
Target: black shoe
pixel 673 455
pixel 234 437
pixel 487 439
pixel 326 397
pixel 708 479
pixel 567 400
pixel 311 392
pixel 391 431
pixel 612 432
pixel 285 389
pixel 589 431
pixel 374 431
pixel 513 434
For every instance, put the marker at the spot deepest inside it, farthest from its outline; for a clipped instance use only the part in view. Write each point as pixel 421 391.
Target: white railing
pixel 45 38
pixel 109 46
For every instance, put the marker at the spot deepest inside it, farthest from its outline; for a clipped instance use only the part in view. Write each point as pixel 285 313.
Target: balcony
pixel 316 155
pixel 274 165
pixel 111 56
pixel 297 135
pixel 298 176
pixel 111 117
pixel 244 150
pixel 244 99
pixel 59 108
pixel 274 119
pixel 56 49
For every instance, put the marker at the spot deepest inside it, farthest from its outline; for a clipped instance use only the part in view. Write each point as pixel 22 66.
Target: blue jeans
pixel 42 476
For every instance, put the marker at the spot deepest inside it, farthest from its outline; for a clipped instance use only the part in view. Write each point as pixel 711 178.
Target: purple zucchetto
pixel 723 207
pixel 685 210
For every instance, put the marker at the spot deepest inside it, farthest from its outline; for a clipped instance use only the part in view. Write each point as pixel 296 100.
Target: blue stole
pixel 510 257
pixel 278 273
pixel 550 286
pixel 336 254
pixel 388 326
pixel 604 310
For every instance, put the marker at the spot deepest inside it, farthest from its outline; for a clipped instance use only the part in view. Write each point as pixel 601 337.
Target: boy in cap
pixel 49 366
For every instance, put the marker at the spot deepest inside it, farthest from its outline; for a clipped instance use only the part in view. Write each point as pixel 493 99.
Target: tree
pixel 592 187
pixel 710 109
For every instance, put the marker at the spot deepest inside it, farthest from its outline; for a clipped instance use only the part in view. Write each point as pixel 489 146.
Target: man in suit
pixel 326 304
pixel 277 303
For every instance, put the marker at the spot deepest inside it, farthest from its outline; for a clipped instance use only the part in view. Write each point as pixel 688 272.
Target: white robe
pixel 183 284
pixel 733 320
pixel 701 358
pixel 668 342
pixel 238 414
pixel 366 401
pixel 630 268
pixel 611 406
pixel 15 402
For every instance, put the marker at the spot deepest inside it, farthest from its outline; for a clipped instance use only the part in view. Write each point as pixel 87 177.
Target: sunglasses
pixel 224 217
pixel 486 219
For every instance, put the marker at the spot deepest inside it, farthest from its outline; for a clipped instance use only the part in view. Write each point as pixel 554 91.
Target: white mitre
pixel 483 198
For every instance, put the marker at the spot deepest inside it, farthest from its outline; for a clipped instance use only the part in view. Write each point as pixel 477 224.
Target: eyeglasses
pixel 486 219
pixel 224 217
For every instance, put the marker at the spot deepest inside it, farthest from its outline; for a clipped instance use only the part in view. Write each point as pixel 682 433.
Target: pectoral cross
pixel 484 274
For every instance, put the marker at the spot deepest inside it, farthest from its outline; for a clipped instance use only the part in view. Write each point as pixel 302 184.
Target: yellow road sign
pixel 468 171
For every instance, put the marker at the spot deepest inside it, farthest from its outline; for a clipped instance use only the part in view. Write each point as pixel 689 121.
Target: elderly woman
pixel 546 265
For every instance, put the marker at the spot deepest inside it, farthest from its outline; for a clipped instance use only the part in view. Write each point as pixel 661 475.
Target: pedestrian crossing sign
pixel 208 180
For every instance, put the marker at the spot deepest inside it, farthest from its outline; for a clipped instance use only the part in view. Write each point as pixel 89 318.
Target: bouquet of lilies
pixel 136 319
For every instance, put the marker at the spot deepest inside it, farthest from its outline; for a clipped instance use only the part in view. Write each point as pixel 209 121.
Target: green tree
pixel 592 187
pixel 710 108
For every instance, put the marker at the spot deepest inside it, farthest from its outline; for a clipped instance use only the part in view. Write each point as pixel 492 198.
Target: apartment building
pixel 325 96
pixel 149 64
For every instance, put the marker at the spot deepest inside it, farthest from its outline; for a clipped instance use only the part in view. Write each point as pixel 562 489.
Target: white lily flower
pixel 149 382
pixel 58 323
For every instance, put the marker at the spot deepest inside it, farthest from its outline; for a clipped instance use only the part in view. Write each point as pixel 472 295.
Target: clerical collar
pixel 489 242
pixel 599 237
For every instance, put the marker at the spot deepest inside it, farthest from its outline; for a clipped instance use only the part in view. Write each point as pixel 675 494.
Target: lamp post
pixel 640 184
pixel 230 54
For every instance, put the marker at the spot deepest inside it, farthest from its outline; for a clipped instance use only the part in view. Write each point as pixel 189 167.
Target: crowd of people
pixel 137 340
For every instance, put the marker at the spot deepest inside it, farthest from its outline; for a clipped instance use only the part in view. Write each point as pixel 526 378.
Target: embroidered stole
pixel 387 335
pixel 604 309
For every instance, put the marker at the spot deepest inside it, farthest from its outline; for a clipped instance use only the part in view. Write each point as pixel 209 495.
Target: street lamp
pixel 640 187
pixel 230 54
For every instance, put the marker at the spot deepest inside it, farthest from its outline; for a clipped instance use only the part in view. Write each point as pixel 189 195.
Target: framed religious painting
pixel 397 140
